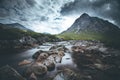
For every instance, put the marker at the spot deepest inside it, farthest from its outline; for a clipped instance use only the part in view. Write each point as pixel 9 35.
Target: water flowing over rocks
pixel 73 60
pixel 97 61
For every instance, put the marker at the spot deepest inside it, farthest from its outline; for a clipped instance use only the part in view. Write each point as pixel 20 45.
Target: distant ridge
pixel 14 25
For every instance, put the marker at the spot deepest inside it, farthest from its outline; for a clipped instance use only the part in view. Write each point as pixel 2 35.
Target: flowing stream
pixel 13 59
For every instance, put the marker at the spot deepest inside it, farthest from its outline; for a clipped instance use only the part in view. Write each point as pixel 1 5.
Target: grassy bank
pixel 112 40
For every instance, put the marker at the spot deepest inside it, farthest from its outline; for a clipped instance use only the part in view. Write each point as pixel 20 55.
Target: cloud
pixel 55 16
pixel 106 9
pixel 38 15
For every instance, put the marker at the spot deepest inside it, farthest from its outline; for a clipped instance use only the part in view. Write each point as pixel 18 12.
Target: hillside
pixel 17 36
pixel 93 28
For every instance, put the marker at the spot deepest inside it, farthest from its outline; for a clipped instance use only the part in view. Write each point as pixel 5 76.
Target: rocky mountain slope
pixel 88 23
pixel 93 28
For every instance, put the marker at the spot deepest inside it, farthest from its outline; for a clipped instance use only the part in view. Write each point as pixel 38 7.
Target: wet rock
pixel 67 74
pixel 33 77
pixel 61 53
pixel 56 58
pixel 52 52
pixel 59 48
pixel 42 56
pixel 24 62
pixel 38 69
pixel 8 73
pixel 97 62
pixel 78 49
pixel 35 56
pixel 50 64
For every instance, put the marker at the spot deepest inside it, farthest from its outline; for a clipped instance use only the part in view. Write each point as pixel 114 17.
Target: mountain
pixel 14 25
pixel 87 23
pixel 93 28
pixel 17 36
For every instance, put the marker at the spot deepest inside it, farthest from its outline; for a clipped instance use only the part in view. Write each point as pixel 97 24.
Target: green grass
pixel 82 36
pixel 112 40
pixel 14 33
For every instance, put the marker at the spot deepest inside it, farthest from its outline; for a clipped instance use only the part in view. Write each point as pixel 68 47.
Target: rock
pixel 97 61
pixel 8 73
pixel 67 74
pixel 37 69
pixel 33 77
pixel 42 56
pixel 61 53
pixel 35 56
pixel 50 64
pixel 24 62
pixel 59 48
pixel 77 49
pixel 56 58
pixel 52 52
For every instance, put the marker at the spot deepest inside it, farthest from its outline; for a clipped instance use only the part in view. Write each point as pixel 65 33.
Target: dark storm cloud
pixel 108 9
pixel 55 16
pixel 31 2
pixel 38 15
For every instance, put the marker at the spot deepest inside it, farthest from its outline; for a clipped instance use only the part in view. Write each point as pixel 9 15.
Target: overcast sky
pixel 55 16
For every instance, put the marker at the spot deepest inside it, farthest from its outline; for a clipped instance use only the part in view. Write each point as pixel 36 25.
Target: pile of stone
pixel 99 65
pixel 45 61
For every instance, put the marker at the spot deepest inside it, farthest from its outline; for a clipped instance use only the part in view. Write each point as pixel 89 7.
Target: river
pixel 13 58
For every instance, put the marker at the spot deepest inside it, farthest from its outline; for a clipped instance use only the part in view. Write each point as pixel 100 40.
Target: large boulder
pixel 97 63
pixel 42 57
pixel 35 56
pixel 38 69
pixel 56 58
pixel 8 73
pixel 49 64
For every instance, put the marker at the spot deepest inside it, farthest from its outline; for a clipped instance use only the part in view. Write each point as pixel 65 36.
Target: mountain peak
pixel 84 15
pixel 87 23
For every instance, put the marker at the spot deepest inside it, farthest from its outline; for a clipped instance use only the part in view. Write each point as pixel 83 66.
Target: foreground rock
pixel 99 64
pixel 49 64
pixel 24 62
pixel 69 74
pixel 38 69
pixel 37 54
pixel 8 73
